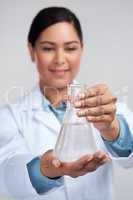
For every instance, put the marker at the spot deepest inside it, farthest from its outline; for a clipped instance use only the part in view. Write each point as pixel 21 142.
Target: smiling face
pixel 57 54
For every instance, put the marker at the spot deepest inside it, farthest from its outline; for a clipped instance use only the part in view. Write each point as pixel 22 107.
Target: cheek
pixel 75 62
pixel 44 59
pixel 43 62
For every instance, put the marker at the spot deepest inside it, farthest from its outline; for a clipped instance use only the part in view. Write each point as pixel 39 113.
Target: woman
pixel 29 129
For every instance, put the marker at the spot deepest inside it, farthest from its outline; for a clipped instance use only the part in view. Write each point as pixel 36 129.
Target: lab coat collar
pixel 38 103
pixel 36 100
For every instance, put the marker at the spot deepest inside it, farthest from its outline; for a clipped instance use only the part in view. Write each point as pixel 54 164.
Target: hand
pixel 98 105
pixel 51 167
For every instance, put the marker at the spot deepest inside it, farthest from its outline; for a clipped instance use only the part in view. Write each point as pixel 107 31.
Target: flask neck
pixel 73 90
pixel 71 112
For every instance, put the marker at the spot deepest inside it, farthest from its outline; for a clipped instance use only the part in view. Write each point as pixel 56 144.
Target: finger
pixel 103 161
pixel 83 161
pixel 95 101
pixel 97 162
pixel 65 97
pixel 102 118
pixel 99 158
pixel 100 155
pixel 79 164
pixel 97 111
pixel 93 91
pixel 91 166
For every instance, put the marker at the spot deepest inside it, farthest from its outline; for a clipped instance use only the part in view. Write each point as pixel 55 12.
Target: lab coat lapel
pixel 40 114
pixel 49 120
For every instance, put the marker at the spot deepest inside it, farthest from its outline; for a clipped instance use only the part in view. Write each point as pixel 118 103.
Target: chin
pixel 61 83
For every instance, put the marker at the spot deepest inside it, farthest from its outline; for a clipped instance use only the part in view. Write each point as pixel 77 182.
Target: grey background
pixel 108 38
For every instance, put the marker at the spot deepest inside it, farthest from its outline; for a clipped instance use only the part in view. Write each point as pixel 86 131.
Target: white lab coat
pixel 26 131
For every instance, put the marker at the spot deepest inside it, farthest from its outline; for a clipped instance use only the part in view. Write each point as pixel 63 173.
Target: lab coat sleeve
pixel 14 156
pixel 123 110
pixel 41 183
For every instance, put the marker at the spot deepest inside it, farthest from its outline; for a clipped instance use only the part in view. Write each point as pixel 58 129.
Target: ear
pixel 31 51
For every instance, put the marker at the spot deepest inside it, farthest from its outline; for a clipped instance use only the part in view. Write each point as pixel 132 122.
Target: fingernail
pixel 98 157
pixel 65 97
pixel 89 117
pixel 77 103
pixel 80 113
pixel 90 158
pixel 56 163
pixel 81 95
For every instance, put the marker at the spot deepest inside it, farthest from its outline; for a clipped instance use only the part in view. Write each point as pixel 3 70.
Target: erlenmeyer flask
pixel 76 137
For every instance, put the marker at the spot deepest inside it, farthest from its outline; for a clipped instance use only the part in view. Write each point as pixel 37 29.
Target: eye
pixel 48 48
pixel 71 48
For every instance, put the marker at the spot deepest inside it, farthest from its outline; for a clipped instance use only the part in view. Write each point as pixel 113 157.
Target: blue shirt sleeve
pixel 41 183
pixel 123 145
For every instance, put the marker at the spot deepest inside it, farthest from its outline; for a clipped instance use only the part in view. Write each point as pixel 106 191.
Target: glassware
pixel 76 137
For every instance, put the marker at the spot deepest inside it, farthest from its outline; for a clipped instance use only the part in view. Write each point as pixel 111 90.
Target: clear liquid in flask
pixel 76 137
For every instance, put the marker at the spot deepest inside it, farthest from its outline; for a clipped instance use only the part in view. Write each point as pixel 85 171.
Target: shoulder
pixel 12 115
pixel 30 101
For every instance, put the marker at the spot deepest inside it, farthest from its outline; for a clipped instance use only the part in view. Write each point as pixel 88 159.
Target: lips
pixel 59 72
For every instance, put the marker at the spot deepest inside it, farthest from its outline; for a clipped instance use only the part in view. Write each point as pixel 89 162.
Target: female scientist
pixel 29 128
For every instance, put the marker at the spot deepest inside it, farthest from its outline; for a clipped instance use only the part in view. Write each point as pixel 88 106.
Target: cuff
pixel 123 144
pixel 42 183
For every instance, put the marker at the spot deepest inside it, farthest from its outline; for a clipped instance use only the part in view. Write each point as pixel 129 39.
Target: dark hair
pixel 49 16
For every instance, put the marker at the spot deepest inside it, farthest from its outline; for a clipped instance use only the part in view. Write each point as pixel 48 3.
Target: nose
pixel 59 57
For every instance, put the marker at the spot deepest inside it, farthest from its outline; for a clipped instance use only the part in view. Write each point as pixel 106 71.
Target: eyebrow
pixel 52 43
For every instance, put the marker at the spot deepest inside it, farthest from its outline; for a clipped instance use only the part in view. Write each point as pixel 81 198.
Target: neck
pixel 53 94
